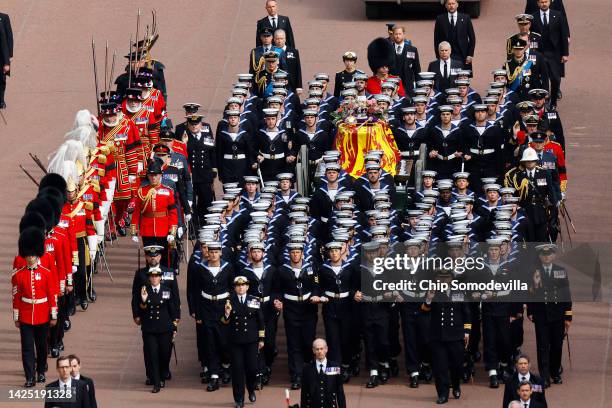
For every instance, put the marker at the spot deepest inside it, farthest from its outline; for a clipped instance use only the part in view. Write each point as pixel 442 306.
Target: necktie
pixel 523 378
pixel 155 290
pixel 65 388
pixel 545 20
pixel 320 368
pixel 445 69
pixel 398 49
pixel 526 405
pixel 452 21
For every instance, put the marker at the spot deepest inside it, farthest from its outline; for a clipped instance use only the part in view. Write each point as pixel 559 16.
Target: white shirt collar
pixel 68 383
pixel 324 362
pixel 156 288
pixel 274 16
pixel 527 376
pixel 454 16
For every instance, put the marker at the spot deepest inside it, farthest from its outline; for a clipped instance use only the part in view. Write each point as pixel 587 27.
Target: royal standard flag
pixel 354 141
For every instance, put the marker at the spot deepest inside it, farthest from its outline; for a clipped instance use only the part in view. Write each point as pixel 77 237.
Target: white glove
pixel 99 227
pixel 170 238
pixel 179 232
pixel 92 255
pixel 187 217
pixel 135 239
pixel 562 195
pixel 132 179
pixel 190 203
pixel 74 268
pixel 100 239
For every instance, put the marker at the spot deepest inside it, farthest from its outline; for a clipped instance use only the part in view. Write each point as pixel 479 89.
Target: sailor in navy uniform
pixel 272 146
pixel 244 320
pixel 550 311
pixel 285 195
pixel 445 145
pixel 158 315
pixel 212 279
pixel 322 383
pixel 234 148
pixel 328 99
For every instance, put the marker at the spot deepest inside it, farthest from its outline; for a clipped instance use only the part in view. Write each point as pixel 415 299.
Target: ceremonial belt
pixel 410 152
pixel 235 156
pixel 155 214
pixel 324 219
pixel 34 301
pixel 273 156
pixel 415 295
pixel 220 296
pixel 81 234
pixel 372 298
pixel 482 151
pixel 297 298
pixel 334 295
pixel 450 157
pixel 264 299
pixel 502 293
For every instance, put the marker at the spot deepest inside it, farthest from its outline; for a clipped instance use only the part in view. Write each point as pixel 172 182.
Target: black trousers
pixel 496 341
pixel 549 345
pixel 56 333
pixel 244 368
pixel 416 344
pixel 555 69
pixel 2 86
pixel 166 256
pixel 34 348
pixel 201 344
pixel 395 348
pixel 446 364
pixel 516 334
pixel 215 346
pixel 300 335
pixel 80 276
pixel 157 348
pixel 376 334
pixel 475 333
pixel 203 196
pixel 338 336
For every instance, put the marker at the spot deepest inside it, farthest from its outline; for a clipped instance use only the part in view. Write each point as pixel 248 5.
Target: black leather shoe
pixel 60 346
pixel 414 381
pixel 442 400
pixel 393 368
pixel 258 382
pixel 168 376
pixel 41 378
pixel 55 352
pixel 213 385
pixel 557 380
pixel 265 377
pixel 493 382
pixel 384 375
pixel 67 325
pixel 3 104
pixel 148 382
pixel 121 231
pixel 162 384
pixel 226 376
pixel 84 305
pixel 252 396
pixel 239 405
pixel 296 384
pixel 427 374
pixel 355 370
pixel 546 384
pixel 345 374
pixel 72 310
pixel 29 383
pixel 155 389
pixel 457 393
pixel 372 382
pixel 93 296
pixel 465 376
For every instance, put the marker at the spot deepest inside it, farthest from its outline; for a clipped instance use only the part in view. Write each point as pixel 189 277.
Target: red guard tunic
pixel 48 261
pixel 126 157
pixel 70 248
pixel 34 299
pixel 148 127
pixel 155 104
pixel 154 212
pixel 81 220
pixel 374 85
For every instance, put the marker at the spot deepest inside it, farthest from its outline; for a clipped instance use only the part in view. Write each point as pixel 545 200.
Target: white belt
pixel 341 295
pixel 220 296
pixel 34 301
pixel 411 152
pixel 372 298
pixel 264 299
pixel 482 151
pixel 440 157
pixel 273 156
pixel 324 219
pixel 234 156
pixel 297 298
pixel 414 294
pixel 503 293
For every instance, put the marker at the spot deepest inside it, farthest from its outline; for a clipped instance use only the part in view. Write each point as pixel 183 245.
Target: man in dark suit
pixel 6 53
pixel 292 60
pixel 275 21
pixel 522 374
pixel 457 29
pixel 407 64
pixel 553 27
pixel 75 372
pixel 532 8
pixel 525 392
pixel 65 386
pixel 321 380
pixel 445 68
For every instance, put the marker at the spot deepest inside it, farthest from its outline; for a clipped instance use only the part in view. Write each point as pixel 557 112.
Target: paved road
pixel 204 44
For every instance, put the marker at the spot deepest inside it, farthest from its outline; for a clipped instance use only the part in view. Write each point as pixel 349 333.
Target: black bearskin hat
pixel 31 242
pixel 380 53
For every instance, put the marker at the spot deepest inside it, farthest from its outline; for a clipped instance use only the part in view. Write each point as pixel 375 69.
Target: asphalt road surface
pixel 203 45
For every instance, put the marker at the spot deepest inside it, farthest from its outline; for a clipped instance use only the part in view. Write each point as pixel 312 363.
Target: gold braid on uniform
pixel 147 199
pixel 512 76
pixel 258 67
pixel 522 188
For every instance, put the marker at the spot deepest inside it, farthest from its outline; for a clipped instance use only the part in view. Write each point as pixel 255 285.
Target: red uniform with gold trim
pixel 34 300
pixel 80 218
pixel 69 248
pixel 155 104
pixel 374 85
pixel 48 261
pixel 126 156
pixel 148 127
pixel 180 148
pixel 155 213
